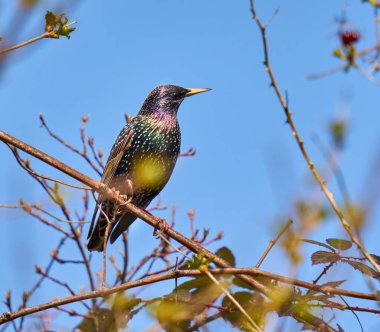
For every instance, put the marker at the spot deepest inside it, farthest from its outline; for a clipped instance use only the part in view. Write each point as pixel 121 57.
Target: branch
pixel 30 41
pixel 9 316
pixel 46 34
pixel 273 242
pixel 25 165
pixel 29 207
pixel 301 145
pixel 82 153
pixel 140 213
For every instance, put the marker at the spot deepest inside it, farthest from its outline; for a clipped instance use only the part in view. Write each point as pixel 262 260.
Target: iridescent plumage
pixel 141 160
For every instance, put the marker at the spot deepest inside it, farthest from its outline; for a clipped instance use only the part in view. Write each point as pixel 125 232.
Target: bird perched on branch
pixel 141 160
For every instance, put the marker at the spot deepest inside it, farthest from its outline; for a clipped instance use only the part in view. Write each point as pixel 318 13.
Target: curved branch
pixel 140 213
pixel 9 316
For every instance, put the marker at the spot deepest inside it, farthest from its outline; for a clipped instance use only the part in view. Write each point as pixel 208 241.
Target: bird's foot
pixel 126 200
pixel 161 226
pixel 115 192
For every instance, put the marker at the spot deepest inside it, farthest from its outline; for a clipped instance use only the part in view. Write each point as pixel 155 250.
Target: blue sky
pixel 247 171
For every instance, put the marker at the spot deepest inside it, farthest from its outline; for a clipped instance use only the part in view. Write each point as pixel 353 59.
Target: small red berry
pixel 349 37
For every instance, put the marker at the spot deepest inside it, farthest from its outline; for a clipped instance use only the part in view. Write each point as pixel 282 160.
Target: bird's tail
pixel 97 233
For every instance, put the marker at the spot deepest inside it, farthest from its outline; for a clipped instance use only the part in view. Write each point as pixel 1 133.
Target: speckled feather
pixel 151 140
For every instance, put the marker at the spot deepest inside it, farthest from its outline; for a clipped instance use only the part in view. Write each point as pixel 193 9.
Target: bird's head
pixel 167 98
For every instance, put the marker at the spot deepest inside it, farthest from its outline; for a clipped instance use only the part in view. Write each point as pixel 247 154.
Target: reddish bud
pixel 349 37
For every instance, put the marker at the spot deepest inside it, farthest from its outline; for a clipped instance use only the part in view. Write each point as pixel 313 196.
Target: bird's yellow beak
pixel 195 91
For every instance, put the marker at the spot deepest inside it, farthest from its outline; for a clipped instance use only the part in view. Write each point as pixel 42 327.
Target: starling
pixel 141 160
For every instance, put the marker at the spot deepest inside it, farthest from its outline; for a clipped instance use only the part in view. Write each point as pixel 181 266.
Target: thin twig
pixel 335 168
pixel 40 281
pixel 209 319
pixel 30 171
pixel 273 242
pixel 30 41
pixel 255 327
pixel 105 240
pixel 25 206
pixel 83 153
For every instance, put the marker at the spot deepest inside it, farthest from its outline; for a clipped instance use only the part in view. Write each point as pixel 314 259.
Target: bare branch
pixel 83 153
pixel 9 316
pixel 110 194
pixel 301 145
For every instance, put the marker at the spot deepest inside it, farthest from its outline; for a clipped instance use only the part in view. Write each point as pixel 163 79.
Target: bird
pixel 141 161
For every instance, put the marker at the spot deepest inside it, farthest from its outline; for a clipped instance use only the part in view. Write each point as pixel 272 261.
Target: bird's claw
pixel 162 226
pixel 115 192
pixel 121 197
pixel 126 199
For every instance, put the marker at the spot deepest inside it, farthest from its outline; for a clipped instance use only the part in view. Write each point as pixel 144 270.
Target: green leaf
pixel 111 320
pixel 125 303
pixel 304 315
pixel 241 283
pixel 56 25
pixel 339 244
pixel 58 195
pixel 121 309
pixel 321 244
pixel 262 280
pixel 175 316
pixel 105 322
pixel 227 255
pixel 363 268
pixel 182 295
pixel 338 130
pixel 251 302
pixel 338 53
pixel 324 257
pixel 198 282
pixel 333 283
pixel 178 309
pixel 198 262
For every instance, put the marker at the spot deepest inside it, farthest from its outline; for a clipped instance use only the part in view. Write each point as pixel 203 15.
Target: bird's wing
pixel 123 142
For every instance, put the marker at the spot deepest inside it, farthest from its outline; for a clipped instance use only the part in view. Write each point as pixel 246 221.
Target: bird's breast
pixel 151 157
